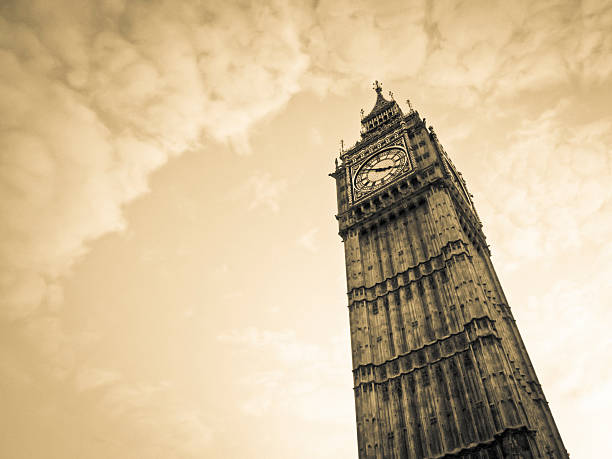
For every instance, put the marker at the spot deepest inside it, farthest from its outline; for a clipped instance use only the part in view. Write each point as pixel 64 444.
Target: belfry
pixel 439 367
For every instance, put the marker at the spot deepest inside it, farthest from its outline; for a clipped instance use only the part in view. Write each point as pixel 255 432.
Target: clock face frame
pixel 380 169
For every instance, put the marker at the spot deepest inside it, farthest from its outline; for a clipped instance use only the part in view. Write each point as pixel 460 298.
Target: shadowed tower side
pixel 439 367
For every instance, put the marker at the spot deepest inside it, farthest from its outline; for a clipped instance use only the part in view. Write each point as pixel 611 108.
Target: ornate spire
pixel 381 105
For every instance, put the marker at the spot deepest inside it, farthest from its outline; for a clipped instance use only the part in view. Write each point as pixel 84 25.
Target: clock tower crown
pixel 383 112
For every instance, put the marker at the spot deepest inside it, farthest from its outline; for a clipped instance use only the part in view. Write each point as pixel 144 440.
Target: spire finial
pixel 391 95
pixel 362 115
pixel 377 87
pixel 409 104
pixel 341 145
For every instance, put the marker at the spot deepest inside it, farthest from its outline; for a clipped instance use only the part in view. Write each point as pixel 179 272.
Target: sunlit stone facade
pixel 439 367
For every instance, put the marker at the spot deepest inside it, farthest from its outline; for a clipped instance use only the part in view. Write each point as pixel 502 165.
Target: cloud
pixel 97 101
pixel 307 240
pixel 152 416
pixel 284 344
pixel 94 99
pixel 92 378
pixel 499 49
pixel 580 317
pixel 563 177
pixel 348 42
pixel 267 383
pixel 263 191
pixel 315 136
pixel 294 377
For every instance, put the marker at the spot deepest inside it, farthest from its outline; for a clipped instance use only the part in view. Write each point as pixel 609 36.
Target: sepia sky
pixel 172 281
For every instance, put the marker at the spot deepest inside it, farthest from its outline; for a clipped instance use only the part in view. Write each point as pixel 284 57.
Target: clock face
pixel 380 169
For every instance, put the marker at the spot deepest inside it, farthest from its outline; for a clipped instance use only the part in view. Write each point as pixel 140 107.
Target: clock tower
pixel 439 367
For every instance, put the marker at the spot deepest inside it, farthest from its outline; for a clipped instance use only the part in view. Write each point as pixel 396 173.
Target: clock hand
pixel 380 169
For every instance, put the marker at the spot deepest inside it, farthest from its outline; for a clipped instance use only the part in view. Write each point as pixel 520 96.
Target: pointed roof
pixel 381 104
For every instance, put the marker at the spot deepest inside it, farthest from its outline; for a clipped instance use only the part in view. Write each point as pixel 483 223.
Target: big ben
pixel 439 366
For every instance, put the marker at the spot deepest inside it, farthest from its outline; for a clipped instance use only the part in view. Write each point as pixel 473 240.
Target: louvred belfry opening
pixel 439 367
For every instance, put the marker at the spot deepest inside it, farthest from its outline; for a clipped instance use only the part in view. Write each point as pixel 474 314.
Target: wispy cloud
pixel 152 411
pixel 580 320
pixel 295 377
pixel 549 184
pixel 261 190
pixel 308 240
